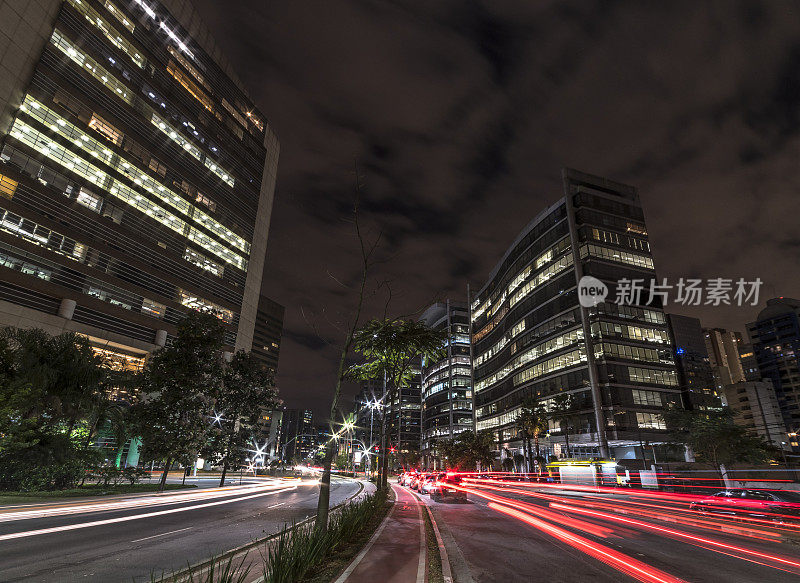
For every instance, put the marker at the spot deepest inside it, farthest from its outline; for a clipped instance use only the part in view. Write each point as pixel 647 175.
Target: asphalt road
pixel 502 536
pixel 139 535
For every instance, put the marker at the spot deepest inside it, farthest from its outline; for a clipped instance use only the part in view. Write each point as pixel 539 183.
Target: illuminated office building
pixel 136 175
pixel 446 382
pixel 532 338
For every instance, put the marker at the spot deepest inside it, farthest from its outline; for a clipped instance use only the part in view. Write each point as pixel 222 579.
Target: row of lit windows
pixel 548 366
pixel 536 264
pixel 25 267
pixel 455 371
pixel 649 398
pixel 617 255
pixel 534 353
pixel 541 278
pixel 93 67
pixel 630 331
pixel 110 33
pixel 447 362
pixel 516 330
pixel 608 349
pixel 119 15
pixel 197 303
pixel 190 86
pixel 107 79
pixel 631 312
pixel 48 117
pixel 58 153
pixel 650 421
pixel 652 376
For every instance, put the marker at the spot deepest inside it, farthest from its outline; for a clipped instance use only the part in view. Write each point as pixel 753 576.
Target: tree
pixel 532 423
pixel 468 449
pixel 390 346
pixel 179 387
pixel 715 439
pixel 247 389
pixel 48 387
pixel 367 251
pixel 564 412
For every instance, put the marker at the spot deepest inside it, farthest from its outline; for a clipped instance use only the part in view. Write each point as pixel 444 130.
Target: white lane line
pixel 276 505
pixel 162 534
pixel 423 544
pixel 136 517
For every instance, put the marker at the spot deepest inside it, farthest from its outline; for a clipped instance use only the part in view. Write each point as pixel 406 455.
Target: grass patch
pixel 90 490
pixel 434 558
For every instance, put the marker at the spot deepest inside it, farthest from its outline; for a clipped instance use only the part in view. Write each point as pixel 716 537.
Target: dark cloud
pixel 460 116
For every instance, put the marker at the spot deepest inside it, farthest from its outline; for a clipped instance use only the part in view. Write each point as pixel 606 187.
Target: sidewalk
pixel 396 553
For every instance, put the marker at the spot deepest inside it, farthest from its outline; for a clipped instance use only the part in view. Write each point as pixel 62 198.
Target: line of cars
pixel 442 486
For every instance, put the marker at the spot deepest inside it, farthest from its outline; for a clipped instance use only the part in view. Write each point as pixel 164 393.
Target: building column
pixel 161 338
pixel 67 308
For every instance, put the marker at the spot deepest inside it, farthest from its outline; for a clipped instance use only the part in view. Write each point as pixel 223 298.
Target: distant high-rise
pixel 136 176
pixel 404 420
pixel 691 358
pixel 298 437
pixel 532 338
pixel 447 382
pixel 775 336
pixel 756 407
pixel 723 355
pixel 268 332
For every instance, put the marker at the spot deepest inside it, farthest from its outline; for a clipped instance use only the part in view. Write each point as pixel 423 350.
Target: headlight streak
pixel 621 562
pixel 67 527
pixel 135 502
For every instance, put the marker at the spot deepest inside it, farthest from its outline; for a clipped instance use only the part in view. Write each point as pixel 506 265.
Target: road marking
pixel 162 534
pixel 136 517
pixel 276 505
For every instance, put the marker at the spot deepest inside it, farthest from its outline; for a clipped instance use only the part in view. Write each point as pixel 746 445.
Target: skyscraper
pixel 446 382
pixel 723 354
pixel 136 176
pixel 775 336
pixel 532 337
pixel 267 333
pixel 691 358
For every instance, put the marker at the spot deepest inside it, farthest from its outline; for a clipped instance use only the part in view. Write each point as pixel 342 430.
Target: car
pixel 777 505
pixel 428 483
pixel 447 488
pixel 415 481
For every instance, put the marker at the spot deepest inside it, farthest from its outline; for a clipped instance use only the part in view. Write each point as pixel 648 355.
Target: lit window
pixel 190 86
pixel 107 130
pixel 89 64
pixel 196 303
pixel 110 33
pixel 89 200
pixel 118 14
pixel 202 261
pixel 152 308
pixel 206 201
pixel 7 186
pixel 650 421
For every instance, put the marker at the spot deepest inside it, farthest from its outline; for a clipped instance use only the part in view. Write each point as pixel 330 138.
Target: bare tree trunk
pixel 164 475
pixel 384 455
pixel 224 472
pixel 323 503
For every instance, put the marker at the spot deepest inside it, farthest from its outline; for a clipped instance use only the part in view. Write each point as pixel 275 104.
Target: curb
pixel 183 576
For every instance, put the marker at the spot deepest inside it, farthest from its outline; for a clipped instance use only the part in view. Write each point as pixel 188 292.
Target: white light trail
pixel 67 527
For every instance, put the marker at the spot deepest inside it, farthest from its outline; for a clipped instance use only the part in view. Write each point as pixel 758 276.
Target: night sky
pixel 462 114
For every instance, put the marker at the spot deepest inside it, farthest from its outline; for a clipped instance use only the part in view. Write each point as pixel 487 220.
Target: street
pixel 523 532
pixel 127 538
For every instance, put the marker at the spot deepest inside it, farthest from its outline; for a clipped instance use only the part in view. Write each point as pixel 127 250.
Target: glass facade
pixel 532 338
pixel 446 383
pixel 132 179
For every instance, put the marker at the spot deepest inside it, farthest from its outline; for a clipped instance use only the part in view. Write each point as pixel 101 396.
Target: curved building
pixel 532 338
pixel 447 382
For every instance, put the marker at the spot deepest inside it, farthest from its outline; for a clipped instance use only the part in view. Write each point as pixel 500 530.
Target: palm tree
pixel 532 423
pixel 563 411
pixel 390 346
